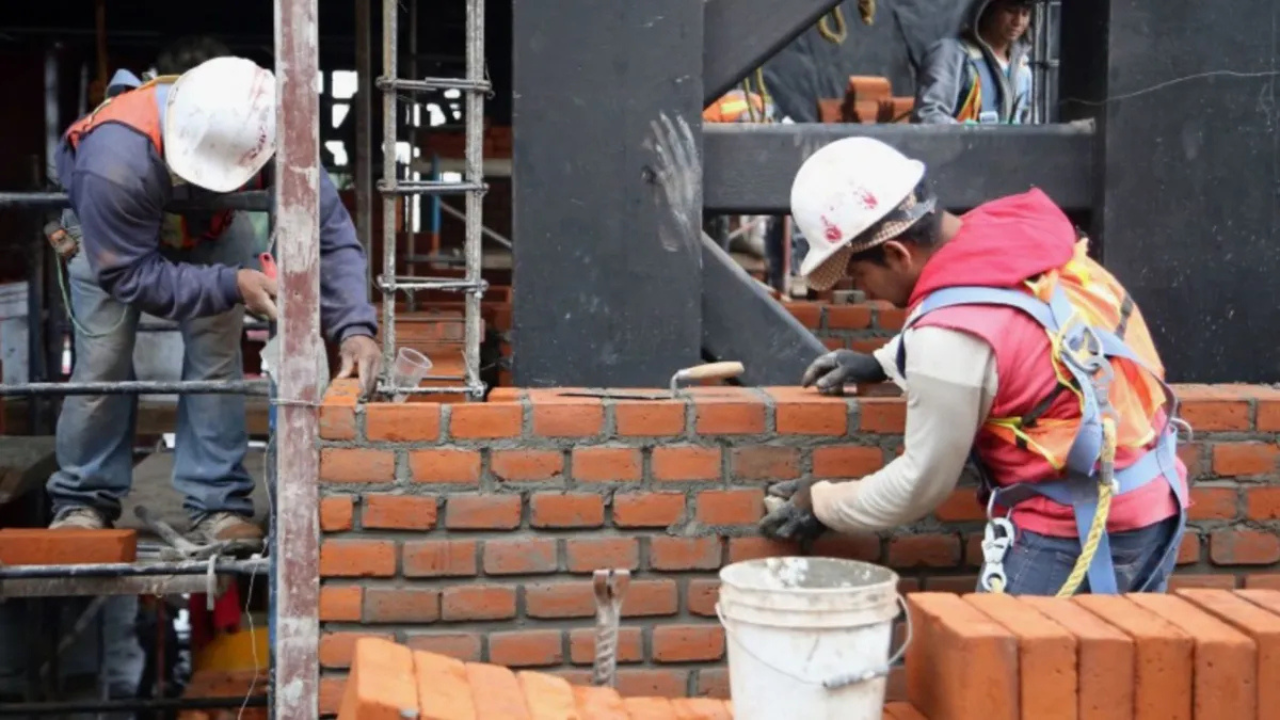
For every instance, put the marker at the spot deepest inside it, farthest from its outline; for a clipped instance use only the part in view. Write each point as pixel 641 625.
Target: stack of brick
pixel 393 682
pixel 472 529
pixel 863 326
pixel 1197 653
pixel 868 100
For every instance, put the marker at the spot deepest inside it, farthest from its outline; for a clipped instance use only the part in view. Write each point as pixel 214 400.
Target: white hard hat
pixel 843 190
pixel 220 123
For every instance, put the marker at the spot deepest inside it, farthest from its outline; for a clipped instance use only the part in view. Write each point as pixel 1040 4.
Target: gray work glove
pixel 832 371
pixel 791 514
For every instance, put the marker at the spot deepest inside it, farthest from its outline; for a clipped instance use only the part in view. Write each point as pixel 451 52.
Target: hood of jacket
pixel 973 20
pixel 1000 244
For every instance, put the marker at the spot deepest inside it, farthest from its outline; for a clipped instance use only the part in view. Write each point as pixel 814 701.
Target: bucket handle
pixel 839 681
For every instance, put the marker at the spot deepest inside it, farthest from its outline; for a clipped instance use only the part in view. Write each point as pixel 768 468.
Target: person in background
pixel 210 129
pixel 983 75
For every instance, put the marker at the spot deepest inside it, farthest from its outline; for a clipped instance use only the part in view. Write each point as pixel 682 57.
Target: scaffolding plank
pixel 608 248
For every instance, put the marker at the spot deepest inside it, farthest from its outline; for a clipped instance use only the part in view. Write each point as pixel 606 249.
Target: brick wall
pixel 473 529
pixel 863 326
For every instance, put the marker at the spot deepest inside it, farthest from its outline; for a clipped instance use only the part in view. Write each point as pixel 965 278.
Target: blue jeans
pixel 1144 559
pixel 96 432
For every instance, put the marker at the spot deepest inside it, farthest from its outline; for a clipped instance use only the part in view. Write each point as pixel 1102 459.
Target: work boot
pixel 237 531
pixel 81 518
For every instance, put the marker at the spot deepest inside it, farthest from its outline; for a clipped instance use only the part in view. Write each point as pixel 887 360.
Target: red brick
pixel 445 466
pixel 1245 458
pixel 1182 581
pixel 576 599
pixel 477 602
pixel 860 546
pixel 688 643
pixel 651 598
pixel 714 683
pixel 352 465
pixel 337 422
pixel 340 603
pixel 647 509
pixel 700 709
pixel 958 584
pixel 1262 503
pixel 485 420
pixel 1268 416
pixel 835 343
pixel 1267 599
pixel 1164 657
pixel 961 506
pixel 1212 503
pixel 460 645
pixel 402 422
pixel 568 510
pixel 588 555
pixel 741 414
pixel 439 558
pixel 1216 415
pixel 868 345
pixel 648 708
pixel 332 689
pixel 701 596
pixel 677 553
pixel 761 462
pixel 1244 547
pixel 1192 455
pixel 848 317
pixel 443 690
pixel 567 417
pixel 649 418
pixel 336 648
pixel 960 665
pixel 1262 582
pixel 1262 627
pixel 634 682
pixel 604 464
pixel 801 411
pixel 396 605
pixel 482 512
pixel 526 556
pixel 523 465
pixel 882 415
pixel 907 551
pixel 676 462
pixel 599 702
pixel 1105 659
pixel 378 687
pixel 808 313
pixel 337 513
pixel 526 648
pixel 398 512
pixel 582 646
pixel 890 318
pixel 355 558
pixel 1046 656
pixel 1226 661
pixel 730 507
pixel 902 711
pixel 846 461
pixel 755 548
pixel 496 692
pixel 1189 550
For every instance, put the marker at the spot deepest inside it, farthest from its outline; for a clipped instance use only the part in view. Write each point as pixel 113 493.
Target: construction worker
pixel 983 75
pixel 209 130
pixel 1037 361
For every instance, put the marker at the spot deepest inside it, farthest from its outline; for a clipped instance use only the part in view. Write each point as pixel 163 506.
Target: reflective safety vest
pixel 736 106
pixel 141 109
pixel 1102 354
pixel 972 105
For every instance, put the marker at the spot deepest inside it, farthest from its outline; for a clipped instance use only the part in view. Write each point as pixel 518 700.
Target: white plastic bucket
pixel 809 637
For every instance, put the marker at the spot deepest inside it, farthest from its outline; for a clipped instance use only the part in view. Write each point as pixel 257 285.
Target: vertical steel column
pixel 473 250
pixel 389 179
pixel 364 151
pixel 297 188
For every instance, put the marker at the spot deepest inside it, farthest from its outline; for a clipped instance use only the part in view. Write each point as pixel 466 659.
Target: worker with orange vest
pixel 1038 362
pixel 209 130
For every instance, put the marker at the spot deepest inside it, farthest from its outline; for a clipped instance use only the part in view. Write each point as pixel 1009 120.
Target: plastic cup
pixel 409 369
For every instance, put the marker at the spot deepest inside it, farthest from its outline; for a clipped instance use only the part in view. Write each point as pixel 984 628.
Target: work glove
pixel 791 514
pixel 361 354
pixel 832 371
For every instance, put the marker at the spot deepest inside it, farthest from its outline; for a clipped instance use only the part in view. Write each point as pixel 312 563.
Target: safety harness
pixel 1090 479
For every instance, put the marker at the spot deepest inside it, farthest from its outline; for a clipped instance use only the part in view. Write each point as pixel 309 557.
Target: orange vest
pixel 733 107
pixel 139 109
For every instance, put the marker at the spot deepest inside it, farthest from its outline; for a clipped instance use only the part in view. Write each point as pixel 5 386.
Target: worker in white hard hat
pixel 210 129
pixel 1035 360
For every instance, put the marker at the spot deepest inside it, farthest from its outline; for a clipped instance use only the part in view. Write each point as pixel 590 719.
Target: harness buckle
pixel 997 537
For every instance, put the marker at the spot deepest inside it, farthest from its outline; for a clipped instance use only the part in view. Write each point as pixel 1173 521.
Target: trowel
pixel 707 371
pixel 269 356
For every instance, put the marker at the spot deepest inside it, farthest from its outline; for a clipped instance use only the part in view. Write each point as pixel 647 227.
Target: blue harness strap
pixel 1085 351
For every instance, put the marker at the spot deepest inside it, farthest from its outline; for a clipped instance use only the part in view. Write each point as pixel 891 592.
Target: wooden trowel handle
pixel 716 370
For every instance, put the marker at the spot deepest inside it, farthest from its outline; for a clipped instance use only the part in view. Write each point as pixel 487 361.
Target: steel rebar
pixel 140 387
pixel 182 567
pixel 474 109
pixel 389 9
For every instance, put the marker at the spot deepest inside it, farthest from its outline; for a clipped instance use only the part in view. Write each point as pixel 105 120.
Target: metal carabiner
pixel 997 537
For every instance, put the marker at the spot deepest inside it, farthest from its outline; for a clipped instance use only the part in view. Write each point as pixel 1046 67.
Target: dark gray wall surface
pixel 1189 221
pixel 608 261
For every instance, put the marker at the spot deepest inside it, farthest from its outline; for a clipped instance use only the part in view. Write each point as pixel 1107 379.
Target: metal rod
pixel 259 200
pixel 434 83
pixel 131 705
pixel 389 8
pixel 296 532
pixel 428 187
pixel 469 388
pixel 364 120
pixel 505 242
pixel 113 570
pixel 474 110
pixel 139 387
pixel 412 283
pixel 411 205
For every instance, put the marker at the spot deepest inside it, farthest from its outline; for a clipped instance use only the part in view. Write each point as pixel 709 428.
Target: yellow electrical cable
pixel 833 36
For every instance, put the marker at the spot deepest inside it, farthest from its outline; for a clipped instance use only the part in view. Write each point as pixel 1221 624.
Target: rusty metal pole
pixel 297 188
pixel 364 150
